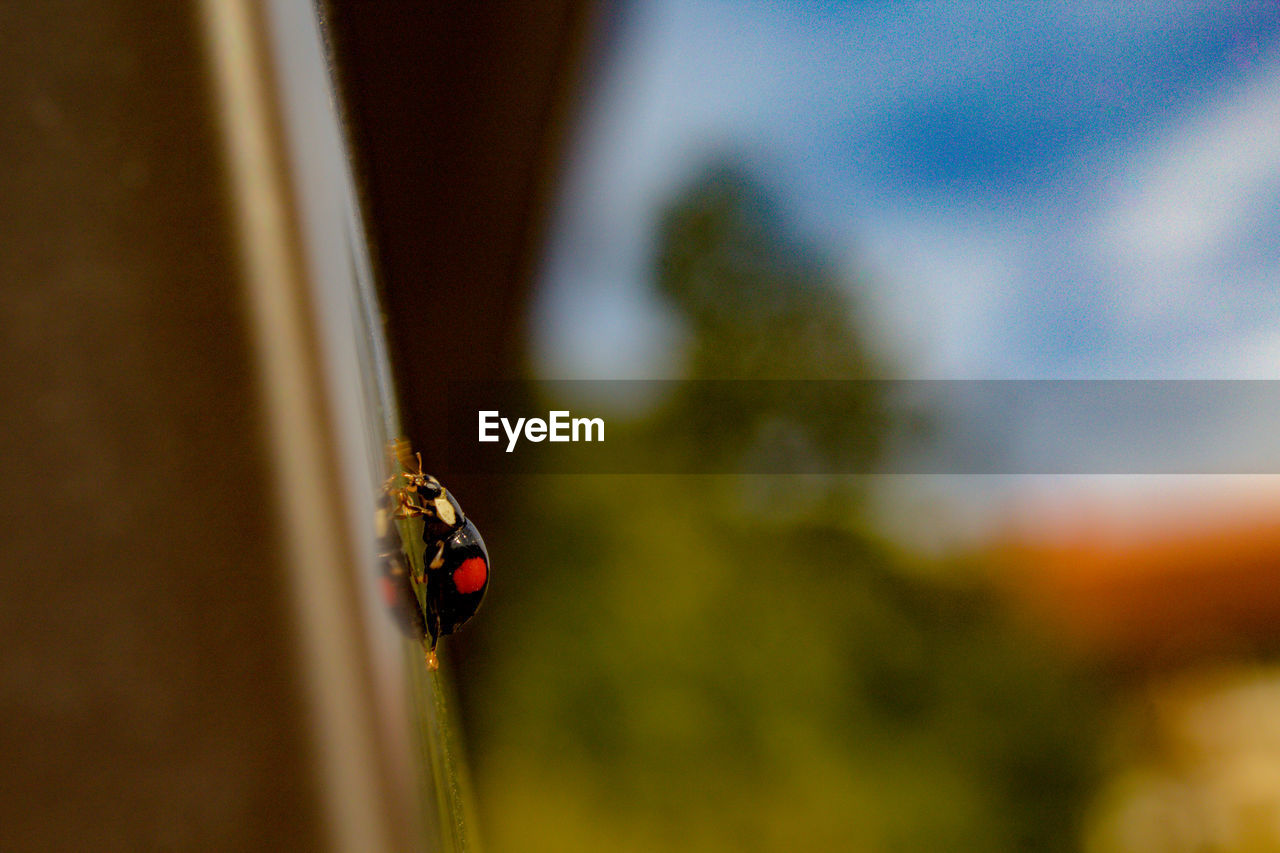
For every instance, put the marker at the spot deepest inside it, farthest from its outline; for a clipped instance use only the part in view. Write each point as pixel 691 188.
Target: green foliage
pixel 778 687
pixel 760 304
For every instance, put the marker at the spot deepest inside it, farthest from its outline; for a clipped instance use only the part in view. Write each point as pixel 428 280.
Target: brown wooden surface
pixel 150 691
pixel 148 688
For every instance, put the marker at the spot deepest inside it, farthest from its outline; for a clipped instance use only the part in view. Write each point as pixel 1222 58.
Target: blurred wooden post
pixel 165 460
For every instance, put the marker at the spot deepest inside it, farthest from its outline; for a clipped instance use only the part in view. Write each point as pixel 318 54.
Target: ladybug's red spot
pixel 471 575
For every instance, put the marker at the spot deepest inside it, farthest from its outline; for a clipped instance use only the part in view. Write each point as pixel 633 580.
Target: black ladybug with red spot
pixel 435 568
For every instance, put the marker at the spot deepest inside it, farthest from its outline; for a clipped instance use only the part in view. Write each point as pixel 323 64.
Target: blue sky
pixel 1014 190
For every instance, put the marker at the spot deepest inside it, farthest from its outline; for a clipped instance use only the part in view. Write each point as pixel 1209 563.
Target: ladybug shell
pixel 455 590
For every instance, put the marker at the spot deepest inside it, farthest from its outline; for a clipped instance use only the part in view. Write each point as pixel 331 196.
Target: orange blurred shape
pixel 1179 594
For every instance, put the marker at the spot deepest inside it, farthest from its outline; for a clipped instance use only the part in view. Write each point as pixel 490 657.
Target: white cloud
pixel 939 283
pixel 1195 191
pixel 777 82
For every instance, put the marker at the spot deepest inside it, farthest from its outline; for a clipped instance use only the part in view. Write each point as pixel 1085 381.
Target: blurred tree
pixel 760 304
pixel 674 667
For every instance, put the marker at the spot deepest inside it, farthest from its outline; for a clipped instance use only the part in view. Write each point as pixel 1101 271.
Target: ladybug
pixel 435 568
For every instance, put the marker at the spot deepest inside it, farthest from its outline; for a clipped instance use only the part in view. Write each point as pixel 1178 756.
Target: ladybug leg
pixel 436 562
pixel 400 496
pixel 406 506
pixel 432 619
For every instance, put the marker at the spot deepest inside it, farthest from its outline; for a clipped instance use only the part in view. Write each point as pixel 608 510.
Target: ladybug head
pixel 459 584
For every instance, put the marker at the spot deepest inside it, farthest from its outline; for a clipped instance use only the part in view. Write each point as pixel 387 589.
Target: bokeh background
pixel 960 191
